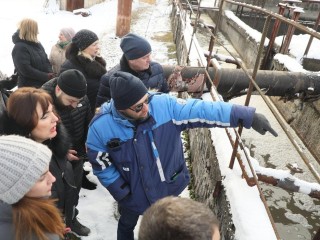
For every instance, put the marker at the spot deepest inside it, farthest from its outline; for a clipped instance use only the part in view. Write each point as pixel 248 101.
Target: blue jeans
pixel 127 222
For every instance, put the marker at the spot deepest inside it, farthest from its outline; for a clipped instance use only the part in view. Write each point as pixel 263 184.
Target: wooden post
pixel 74 4
pixel 123 17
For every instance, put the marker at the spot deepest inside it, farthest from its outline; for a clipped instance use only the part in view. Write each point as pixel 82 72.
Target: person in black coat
pixel 68 92
pixel 83 54
pixel 30 114
pixel 136 59
pixel 29 57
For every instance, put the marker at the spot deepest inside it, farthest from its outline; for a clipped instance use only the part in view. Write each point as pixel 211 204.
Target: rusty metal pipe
pixel 311 37
pixel 234 81
pixel 272 39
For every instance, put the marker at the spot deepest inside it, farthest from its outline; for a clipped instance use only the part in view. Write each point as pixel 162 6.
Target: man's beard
pixel 142 119
pixel 61 106
pixel 135 120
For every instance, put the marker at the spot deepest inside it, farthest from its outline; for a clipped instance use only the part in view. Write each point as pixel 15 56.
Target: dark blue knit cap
pixel 126 90
pixel 134 46
pixel 84 38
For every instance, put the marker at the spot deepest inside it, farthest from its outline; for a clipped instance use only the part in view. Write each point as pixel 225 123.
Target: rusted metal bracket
pixel 177 83
pixel 287 183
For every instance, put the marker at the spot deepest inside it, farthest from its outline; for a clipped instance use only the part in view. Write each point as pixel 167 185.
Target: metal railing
pixel 252 85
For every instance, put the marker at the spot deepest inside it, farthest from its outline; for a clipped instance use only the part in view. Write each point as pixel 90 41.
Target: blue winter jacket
pixel 141 164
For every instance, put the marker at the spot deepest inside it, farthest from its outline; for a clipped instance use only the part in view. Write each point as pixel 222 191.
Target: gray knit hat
pixel 126 90
pixel 68 33
pixel 22 162
pixel 84 38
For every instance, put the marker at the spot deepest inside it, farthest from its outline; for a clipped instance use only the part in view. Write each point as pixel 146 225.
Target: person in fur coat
pixel 83 54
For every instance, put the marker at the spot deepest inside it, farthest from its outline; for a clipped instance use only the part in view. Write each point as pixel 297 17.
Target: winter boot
pixel 78 228
pixel 71 236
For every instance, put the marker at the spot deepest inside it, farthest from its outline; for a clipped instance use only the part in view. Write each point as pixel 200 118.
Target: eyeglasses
pixel 139 107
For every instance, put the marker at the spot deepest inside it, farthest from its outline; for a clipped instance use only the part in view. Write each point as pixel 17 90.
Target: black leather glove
pixel 261 124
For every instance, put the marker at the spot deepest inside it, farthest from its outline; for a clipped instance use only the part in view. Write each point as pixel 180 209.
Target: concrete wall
pixel 311 10
pixel 205 174
pixel 240 38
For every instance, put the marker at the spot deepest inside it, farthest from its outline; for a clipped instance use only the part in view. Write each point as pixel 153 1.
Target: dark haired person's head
pixel 71 88
pixel 31 109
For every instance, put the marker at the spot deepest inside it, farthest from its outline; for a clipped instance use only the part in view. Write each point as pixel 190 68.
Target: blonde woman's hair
pixel 28 30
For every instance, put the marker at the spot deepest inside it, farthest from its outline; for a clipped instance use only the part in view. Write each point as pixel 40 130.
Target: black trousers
pixel 78 172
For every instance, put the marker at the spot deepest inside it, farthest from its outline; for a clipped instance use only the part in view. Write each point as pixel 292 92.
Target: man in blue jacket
pixel 135 148
pixel 136 59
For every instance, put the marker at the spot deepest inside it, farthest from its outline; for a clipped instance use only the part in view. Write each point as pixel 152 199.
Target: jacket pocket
pixel 173 176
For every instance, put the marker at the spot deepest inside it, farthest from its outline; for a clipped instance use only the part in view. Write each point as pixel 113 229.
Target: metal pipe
pixel 311 38
pixel 249 92
pixel 284 48
pixel 233 82
pixel 273 36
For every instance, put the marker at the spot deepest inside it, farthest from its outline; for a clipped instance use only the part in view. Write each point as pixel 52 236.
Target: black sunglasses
pixel 139 107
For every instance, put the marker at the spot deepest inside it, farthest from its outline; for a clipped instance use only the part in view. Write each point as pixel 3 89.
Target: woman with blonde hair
pixel 30 113
pixel 29 57
pixel 83 54
pixel 26 210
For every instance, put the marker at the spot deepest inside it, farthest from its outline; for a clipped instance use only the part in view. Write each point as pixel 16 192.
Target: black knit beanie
pixel 84 38
pixel 134 46
pixel 126 90
pixel 73 83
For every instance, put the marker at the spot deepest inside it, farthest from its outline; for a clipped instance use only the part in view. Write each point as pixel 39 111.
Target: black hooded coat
pixel 31 62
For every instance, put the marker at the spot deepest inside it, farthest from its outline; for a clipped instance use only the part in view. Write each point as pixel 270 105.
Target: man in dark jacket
pixel 136 59
pixel 135 148
pixel 68 92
